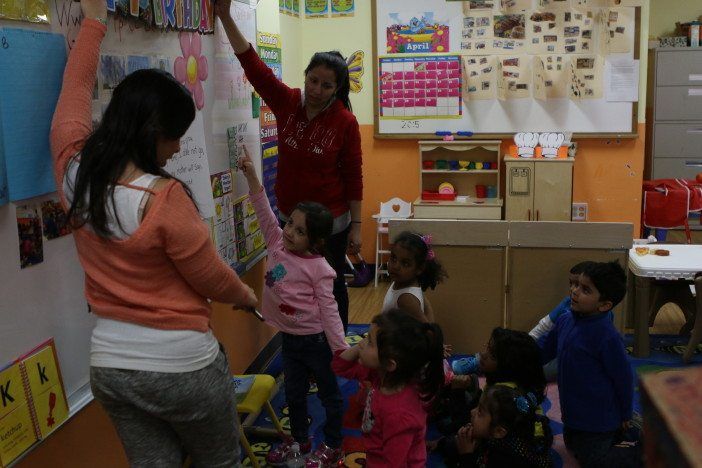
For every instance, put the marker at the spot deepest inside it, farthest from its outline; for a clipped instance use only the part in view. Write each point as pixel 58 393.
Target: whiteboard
pixel 494 116
pixel 47 300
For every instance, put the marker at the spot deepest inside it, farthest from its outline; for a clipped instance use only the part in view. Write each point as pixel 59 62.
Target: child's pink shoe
pixel 325 457
pixel 278 456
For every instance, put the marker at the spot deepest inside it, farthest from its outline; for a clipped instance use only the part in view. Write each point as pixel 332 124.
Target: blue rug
pixel 666 353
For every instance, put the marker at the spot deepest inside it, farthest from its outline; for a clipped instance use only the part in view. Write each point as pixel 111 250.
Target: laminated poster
pixel 340 8
pixel 416 33
pixel 316 8
pixel 420 87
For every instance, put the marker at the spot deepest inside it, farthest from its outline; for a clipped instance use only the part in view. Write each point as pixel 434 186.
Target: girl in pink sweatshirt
pixel 298 299
pixel 403 359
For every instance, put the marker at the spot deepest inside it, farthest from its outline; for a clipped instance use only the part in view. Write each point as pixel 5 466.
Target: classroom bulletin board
pixel 496 67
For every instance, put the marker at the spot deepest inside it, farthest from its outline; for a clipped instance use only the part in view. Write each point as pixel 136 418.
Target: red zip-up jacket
pixel 318 160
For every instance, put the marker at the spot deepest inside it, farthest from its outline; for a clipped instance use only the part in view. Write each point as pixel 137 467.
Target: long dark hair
pixel 518 360
pixel 432 271
pixel 319 223
pixel 515 410
pixel 417 349
pixel 146 105
pixel 335 62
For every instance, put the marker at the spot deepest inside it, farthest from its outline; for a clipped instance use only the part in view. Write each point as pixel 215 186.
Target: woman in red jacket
pixel 319 143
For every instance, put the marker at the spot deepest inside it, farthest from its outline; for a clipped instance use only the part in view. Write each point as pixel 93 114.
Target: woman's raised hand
pixel 221 8
pixel 95 9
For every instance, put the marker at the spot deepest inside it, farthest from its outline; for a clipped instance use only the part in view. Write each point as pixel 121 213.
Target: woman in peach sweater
pixel 150 266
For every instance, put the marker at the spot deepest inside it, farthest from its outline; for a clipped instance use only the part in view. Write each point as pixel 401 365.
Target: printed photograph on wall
pixel 419 33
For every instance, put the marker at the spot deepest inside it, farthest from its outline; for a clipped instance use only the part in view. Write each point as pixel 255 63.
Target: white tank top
pixel 393 295
pixel 124 345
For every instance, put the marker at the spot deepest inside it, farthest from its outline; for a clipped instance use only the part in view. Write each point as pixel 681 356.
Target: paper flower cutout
pixel 191 68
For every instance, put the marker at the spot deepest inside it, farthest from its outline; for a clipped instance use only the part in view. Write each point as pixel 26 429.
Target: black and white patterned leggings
pixel 162 417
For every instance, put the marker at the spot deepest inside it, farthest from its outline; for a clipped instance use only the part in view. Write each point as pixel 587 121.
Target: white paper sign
pixel 190 165
pixel 622 80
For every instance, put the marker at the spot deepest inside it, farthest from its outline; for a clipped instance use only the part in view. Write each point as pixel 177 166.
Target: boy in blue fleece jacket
pixel 595 380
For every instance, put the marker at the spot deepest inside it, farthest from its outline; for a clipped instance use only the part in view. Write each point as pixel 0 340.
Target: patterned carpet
pixel 666 352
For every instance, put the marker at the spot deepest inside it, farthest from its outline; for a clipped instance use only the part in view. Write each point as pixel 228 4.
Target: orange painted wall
pixel 607 175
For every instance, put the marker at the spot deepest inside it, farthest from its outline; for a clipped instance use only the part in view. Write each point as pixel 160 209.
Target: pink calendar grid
pixel 420 87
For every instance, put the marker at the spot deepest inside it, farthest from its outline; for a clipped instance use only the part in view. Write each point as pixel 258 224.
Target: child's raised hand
pixel 448 349
pixel 221 8
pixel 464 440
pixel 245 165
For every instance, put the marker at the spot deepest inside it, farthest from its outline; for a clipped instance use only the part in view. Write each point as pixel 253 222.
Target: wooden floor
pixel 366 302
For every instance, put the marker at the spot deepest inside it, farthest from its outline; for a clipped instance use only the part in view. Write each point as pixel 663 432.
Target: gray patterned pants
pixel 162 417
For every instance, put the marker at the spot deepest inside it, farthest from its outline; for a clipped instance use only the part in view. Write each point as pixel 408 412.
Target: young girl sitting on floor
pixel 501 431
pixel 413 268
pixel 402 358
pixel 298 300
pixel 510 356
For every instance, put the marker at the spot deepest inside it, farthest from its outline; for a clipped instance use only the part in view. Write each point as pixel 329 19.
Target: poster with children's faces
pixel 515 76
pixel 551 73
pixel 31 244
pixel 545 32
pixel 477 33
pixel 578 26
pixel 479 72
pixel 420 87
pixel 614 36
pixel 585 77
pixel 509 31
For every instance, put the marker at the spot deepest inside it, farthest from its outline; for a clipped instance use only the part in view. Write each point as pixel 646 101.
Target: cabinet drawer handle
pixel 694 77
pixel 694 91
pixel 537 215
pixel 693 163
pixel 528 215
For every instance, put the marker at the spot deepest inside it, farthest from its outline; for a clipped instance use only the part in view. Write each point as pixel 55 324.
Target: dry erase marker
pixel 464 133
pixel 256 313
pixel 442 133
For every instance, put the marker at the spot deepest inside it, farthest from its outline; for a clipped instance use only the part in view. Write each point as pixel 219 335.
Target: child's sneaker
pixel 467 365
pixel 278 456
pixel 325 457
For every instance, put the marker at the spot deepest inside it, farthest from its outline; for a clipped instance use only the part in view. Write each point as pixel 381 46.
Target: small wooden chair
pixel 253 393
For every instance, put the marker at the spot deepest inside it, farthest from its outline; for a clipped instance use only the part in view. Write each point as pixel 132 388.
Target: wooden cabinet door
pixel 553 191
pixel 519 191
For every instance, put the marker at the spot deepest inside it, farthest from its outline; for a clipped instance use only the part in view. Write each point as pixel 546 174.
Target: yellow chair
pixel 253 393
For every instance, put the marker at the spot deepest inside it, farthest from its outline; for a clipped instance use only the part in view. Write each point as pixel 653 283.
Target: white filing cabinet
pixel 677 115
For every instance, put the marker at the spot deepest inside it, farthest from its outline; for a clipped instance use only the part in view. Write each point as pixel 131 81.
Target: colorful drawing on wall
pixel 355 64
pixel 421 34
pixel 191 68
pixel 420 87
pixel 112 70
pixel 54 221
pixel 36 11
pixel 31 245
pixel 342 8
pixel 316 8
pixel 509 26
pixel 181 15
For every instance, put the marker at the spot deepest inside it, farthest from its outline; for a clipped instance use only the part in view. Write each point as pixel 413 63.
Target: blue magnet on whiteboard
pixel 442 133
pixel 464 133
